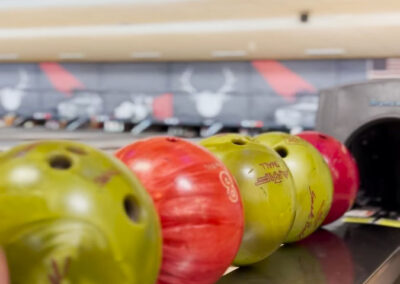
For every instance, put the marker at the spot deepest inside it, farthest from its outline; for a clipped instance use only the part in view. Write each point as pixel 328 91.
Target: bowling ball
pixel 199 206
pixel 321 258
pixel 312 179
pixel 3 268
pixel 71 213
pixel 343 169
pixel 267 192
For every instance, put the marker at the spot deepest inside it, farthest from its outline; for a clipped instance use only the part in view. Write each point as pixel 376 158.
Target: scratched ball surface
pixel 199 206
pixel 267 192
pixel 314 187
pixel 3 268
pixel 344 172
pixel 72 214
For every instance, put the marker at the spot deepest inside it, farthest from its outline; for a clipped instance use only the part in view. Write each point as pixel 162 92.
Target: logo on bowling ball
pixel 275 177
pixel 313 219
pixel 293 140
pixel 57 273
pixel 229 184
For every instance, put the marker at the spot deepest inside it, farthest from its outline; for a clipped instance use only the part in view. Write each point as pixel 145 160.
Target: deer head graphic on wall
pixel 11 97
pixel 208 103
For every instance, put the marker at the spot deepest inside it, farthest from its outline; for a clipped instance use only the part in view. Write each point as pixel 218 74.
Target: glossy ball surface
pixel 72 213
pixel 311 176
pixel 267 192
pixel 343 169
pixel 199 206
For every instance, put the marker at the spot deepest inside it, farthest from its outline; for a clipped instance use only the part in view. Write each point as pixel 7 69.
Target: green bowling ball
pixel 267 192
pixel 72 214
pixel 314 187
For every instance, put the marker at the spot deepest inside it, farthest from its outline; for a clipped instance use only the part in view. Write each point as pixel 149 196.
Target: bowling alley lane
pixel 108 142
pixel 343 253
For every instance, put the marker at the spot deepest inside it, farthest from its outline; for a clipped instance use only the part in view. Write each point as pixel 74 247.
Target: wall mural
pixel 138 108
pixel 209 103
pixel 271 93
pixel 83 104
pixel 11 97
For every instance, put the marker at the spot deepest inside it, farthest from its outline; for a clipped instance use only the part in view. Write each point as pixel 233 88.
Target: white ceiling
pixel 197 29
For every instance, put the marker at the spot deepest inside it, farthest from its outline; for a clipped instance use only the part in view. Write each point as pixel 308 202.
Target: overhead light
pixel 146 54
pixel 8 56
pixel 229 53
pixel 324 51
pixel 71 55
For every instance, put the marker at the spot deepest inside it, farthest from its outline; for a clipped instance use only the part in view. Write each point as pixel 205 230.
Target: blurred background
pixel 187 67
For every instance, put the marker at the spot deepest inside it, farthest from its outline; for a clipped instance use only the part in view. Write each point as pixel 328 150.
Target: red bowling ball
pixel 198 203
pixel 3 268
pixel 344 172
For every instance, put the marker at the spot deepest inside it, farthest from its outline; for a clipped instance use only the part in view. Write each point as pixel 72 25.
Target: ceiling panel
pixel 197 29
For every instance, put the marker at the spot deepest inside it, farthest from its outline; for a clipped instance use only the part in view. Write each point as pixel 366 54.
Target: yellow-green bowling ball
pixel 267 192
pixel 314 187
pixel 72 214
